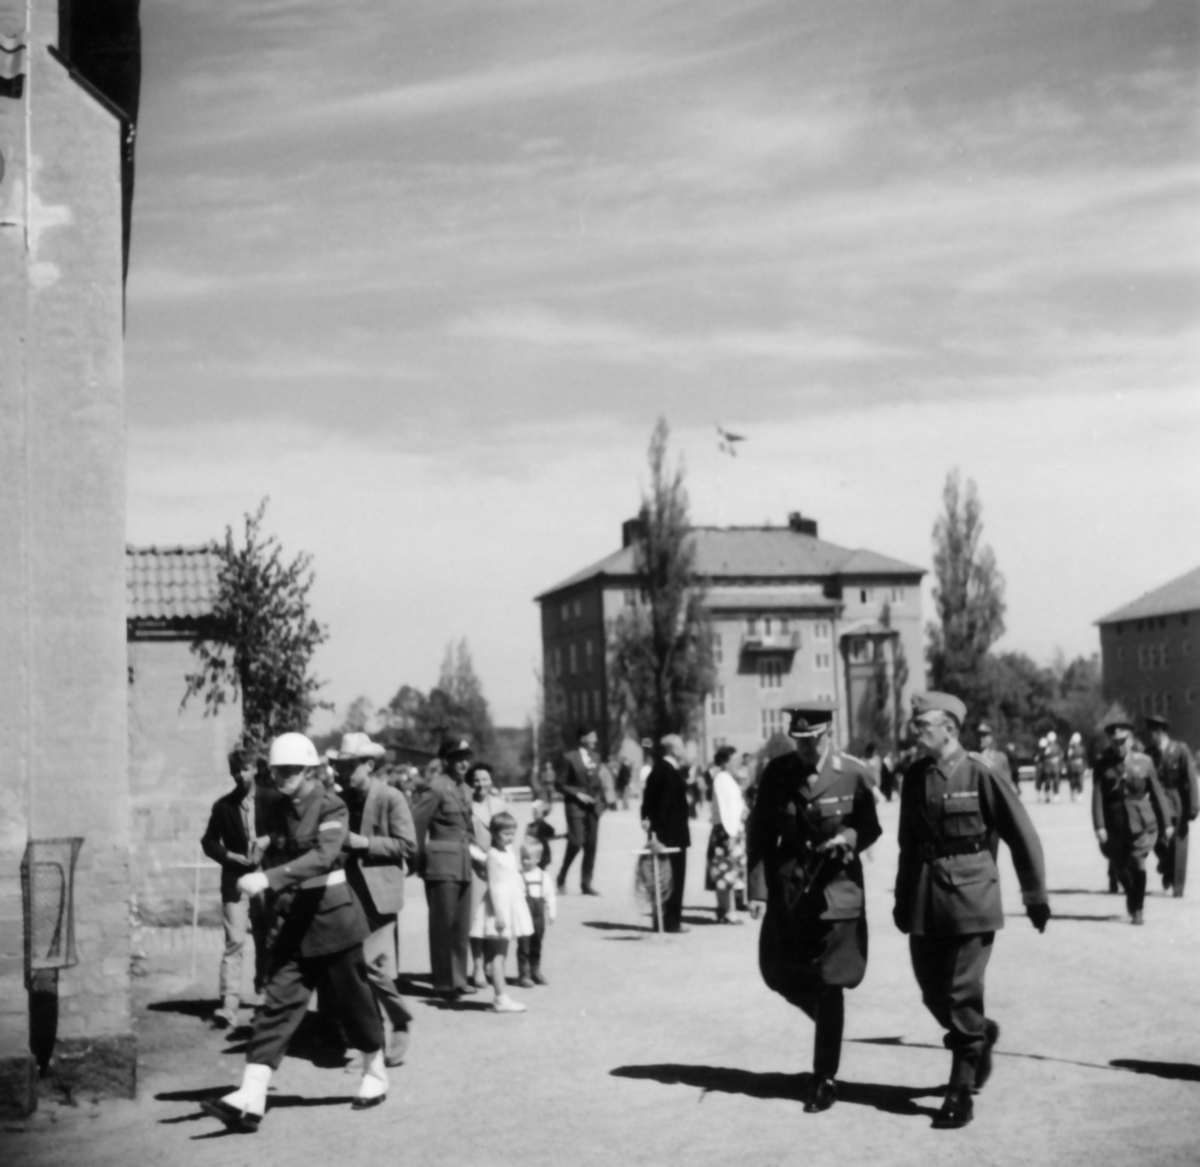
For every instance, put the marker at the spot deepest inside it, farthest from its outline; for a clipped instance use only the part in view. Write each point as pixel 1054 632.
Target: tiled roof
pixel 732 553
pixel 1179 595
pixel 176 584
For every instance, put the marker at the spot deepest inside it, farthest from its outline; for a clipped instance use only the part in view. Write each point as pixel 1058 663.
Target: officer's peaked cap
pixel 810 719
pixel 1156 721
pixel 1117 718
pixel 454 745
pixel 945 702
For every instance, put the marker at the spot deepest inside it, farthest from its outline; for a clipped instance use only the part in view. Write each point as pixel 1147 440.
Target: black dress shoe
pixel 991 1034
pixel 824 1095
pixel 367 1103
pixel 679 928
pixel 236 1120
pixel 957 1110
pixel 590 891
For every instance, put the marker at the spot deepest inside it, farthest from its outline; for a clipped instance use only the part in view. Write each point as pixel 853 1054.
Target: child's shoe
pixel 506 1004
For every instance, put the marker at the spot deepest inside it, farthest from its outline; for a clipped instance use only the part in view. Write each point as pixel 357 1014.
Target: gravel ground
pixel 658 1050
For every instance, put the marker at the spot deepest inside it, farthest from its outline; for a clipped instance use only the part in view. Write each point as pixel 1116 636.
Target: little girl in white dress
pixel 503 915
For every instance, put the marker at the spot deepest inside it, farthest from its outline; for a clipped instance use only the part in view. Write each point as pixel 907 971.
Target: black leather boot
pixel 957 1110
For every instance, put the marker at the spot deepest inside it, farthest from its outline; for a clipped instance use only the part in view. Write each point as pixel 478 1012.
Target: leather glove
pixel 1039 914
pixel 253 882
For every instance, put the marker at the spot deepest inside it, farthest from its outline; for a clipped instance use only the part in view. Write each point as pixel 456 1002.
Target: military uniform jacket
pixel 444 831
pixel 377 874
pixel 1128 800
pixel 1176 770
pixel 952 814
pixel 315 913
pixel 792 818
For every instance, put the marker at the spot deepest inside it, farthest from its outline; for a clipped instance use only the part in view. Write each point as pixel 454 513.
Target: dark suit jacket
pixel 377 875
pixel 445 829
pixel 225 834
pixel 576 778
pixel 665 804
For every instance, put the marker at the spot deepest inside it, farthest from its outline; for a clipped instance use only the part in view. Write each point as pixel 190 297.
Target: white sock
pixel 374 1080
pixel 251 1096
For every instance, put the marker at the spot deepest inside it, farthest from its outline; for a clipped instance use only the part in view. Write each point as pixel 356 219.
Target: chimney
pixel 632 530
pixel 802 526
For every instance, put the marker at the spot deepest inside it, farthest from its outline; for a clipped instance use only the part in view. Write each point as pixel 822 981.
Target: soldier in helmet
pixel 1077 765
pixel 1176 771
pixel 954 809
pixel 1049 766
pixel 813 818
pixel 1129 810
pixel 317 933
pixel 996 758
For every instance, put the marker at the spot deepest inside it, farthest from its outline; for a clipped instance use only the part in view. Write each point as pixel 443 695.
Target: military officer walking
pixel 1129 810
pixel 953 811
pixel 317 933
pixel 814 816
pixel 1176 770
pixel 994 757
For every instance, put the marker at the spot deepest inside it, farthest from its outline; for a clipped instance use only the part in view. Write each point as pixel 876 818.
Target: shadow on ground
pixel 1177 1071
pixel 789 1087
pixel 188 1008
pixel 207 1093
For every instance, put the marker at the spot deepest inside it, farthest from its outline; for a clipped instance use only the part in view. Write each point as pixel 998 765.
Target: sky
pixel 426 274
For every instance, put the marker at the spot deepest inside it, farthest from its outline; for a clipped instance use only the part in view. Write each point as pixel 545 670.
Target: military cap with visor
pixel 941 703
pixel 454 746
pixel 809 720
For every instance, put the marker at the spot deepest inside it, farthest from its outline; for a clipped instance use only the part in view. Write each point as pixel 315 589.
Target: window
pixel 751 625
pixel 716 702
pixel 578 608
pixel 572 661
pixel 717 653
pixel 1162 655
pixel 897 595
pixel 596 704
pixel 565 612
pixel 1141 656
pixel 860 649
pixel 718 742
pixel 864 595
pixel 785 625
pixel 587 654
pixel 823 660
pixel 772 722
pixel 770 673
pixel 766 625
pixel 821 630
pixel 557 661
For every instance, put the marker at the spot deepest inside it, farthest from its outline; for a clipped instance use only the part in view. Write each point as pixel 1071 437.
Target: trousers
pixel 826 1006
pixel 239 917
pixel 379 952
pixel 342 980
pixel 950 972
pixel 583 834
pixel 529 948
pixel 449 933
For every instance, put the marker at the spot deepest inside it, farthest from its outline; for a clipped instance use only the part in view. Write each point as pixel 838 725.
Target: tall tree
pixel 265 636
pixel 969 596
pixel 661 650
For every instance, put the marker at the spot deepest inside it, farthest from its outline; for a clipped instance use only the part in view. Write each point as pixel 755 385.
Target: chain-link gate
pixel 48 893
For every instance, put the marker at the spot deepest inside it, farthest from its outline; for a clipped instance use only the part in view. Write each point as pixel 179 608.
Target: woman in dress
pixel 726 868
pixel 485 805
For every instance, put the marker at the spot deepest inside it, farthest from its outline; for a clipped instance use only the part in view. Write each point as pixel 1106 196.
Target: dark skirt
pixel 799 952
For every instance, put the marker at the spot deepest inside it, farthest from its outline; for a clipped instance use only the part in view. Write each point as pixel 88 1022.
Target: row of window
pixel 771 672
pixel 573 658
pixel 1160 703
pixel 584 706
pixel 1148 624
pixel 781 626
pixel 569 609
pixel 1155 656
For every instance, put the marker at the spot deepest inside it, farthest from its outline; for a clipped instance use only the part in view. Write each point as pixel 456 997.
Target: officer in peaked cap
pixel 444 823
pixel 1129 809
pixel 1176 770
pixel 813 818
pixel 953 810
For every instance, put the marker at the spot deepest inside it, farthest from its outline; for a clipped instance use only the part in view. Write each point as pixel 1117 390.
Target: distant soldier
pixel 1176 771
pixel 996 758
pixel 1049 766
pixel 953 812
pixel 1077 764
pixel 1129 810
pixel 814 816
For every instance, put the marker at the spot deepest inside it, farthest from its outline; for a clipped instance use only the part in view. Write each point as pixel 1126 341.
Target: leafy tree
pixel 262 636
pixel 660 653
pixel 969 596
pixel 358 715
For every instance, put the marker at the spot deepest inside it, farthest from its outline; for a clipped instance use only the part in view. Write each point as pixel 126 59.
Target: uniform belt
pixel 330 880
pixel 944 848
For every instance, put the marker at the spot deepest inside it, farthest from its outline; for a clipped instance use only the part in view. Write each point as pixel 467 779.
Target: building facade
pixel 793 618
pixel 1150 654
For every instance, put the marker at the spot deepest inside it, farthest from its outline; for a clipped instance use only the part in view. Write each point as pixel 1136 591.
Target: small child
pixel 503 913
pixel 539 828
pixel 542 904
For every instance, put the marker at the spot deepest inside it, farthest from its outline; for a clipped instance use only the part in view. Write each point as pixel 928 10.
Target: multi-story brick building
pixel 793 618
pixel 1150 653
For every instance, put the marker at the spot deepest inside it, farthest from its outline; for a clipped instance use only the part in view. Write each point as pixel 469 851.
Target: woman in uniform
pixel 813 818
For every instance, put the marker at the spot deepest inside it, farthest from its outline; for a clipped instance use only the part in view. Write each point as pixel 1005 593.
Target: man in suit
pixel 1176 770
pixel 580 784
pixel 445 831
pixel 237 836
pixel 665 813
pixel 381 840
pixel 954 809
pixel 317 932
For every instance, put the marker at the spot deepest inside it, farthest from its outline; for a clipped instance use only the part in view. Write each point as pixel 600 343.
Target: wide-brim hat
pixel 356 746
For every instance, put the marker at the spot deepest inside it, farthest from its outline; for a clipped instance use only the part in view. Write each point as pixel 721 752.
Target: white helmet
pixel 1076 739
pixel 293 749
pixel 1051 737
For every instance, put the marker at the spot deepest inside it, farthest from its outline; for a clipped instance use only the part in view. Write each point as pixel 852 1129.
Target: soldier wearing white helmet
pixel 318 928
pixel 1077 764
